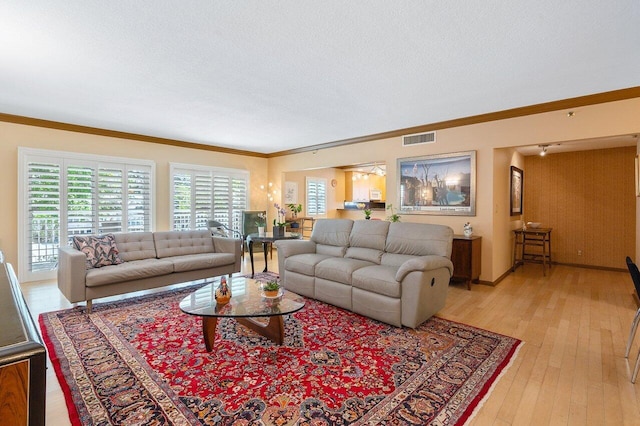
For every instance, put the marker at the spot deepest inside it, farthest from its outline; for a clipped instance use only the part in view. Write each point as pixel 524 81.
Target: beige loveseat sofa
pixel 397 273
pixel 149 260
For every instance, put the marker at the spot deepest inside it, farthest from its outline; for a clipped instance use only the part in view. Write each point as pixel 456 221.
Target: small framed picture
pixel 517 180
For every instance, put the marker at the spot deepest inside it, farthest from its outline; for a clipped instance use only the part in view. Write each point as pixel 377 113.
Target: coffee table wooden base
pixel 273 329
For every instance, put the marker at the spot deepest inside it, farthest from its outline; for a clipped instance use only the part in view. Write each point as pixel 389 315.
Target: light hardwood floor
pixel 571 369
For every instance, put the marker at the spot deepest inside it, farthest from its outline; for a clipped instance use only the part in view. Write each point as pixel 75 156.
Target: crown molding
pixel 598 98
pixel 30 121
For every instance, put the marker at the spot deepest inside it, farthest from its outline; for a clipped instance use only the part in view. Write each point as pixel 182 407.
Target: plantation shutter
pixel 67 194
pixel 201 194
pixel 316 197
pixel 44 211
pixel 110 200
pixel 202 203
pixel 81 207
pixel 138 198
pixel 181 201
pixel 240 202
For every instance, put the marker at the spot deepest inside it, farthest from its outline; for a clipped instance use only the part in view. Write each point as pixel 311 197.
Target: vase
pixel 223 292
pixel 261 231
pixel 468 232
pixel 278 231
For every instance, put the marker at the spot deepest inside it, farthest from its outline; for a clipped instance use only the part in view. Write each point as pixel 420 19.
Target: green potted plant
pixel 394 217
pixel 367 214
pixel 271 288
pixel 295 209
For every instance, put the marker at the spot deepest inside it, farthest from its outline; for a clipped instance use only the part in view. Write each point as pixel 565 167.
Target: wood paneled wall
pixel 588 198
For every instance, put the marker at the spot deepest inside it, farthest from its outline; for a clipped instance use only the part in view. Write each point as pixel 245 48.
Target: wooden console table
pixel 466 255
pixel 532 245
pixel 305 225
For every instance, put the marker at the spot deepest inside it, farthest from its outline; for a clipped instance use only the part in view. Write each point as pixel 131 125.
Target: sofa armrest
pixel 287 248
pixel 72 270
pixel 422 264
pixel 229 245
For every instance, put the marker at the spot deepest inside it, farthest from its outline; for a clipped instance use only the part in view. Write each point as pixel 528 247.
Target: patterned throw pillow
pixel 100 251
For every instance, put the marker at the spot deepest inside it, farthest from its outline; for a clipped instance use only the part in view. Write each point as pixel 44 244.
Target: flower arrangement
pixel 261 219
pixel 394 217
pixel 367 214
pixel 281 214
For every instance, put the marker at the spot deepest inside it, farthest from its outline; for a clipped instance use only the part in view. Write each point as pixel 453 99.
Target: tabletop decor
pixel 261 222
pixel 271 288
pixel 279 222
pixel 141 360
pixel 223 292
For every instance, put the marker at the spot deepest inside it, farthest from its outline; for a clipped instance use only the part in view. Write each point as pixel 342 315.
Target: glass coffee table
pixel 247 302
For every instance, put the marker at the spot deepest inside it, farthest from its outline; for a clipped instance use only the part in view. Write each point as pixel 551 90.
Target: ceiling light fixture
pixel 377 170
pixel 543 150
pixel 571 114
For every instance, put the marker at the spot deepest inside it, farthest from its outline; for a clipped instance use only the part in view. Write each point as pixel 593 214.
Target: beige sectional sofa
pixel 397 273
pixel 149 260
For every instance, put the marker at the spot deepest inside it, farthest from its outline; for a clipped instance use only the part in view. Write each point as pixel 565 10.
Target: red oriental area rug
pixel 143 361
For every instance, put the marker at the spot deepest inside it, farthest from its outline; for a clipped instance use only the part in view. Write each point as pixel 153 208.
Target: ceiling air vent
pixel 420 138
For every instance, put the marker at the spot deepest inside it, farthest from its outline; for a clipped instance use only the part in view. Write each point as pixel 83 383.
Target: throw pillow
pixel 100 251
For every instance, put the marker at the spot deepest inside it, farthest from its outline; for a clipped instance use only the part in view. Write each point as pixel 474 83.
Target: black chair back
pixel 635 274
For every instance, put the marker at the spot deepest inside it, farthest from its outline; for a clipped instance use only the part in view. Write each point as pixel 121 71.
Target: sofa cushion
pixel 334 251
pixel 419 239
pixel 379 279
pixel 191 262
pixel 370 255
pixel 332 232
pixel 177 243
pixel 369 234
pixel 304 263
pixel 135 245
pixel 128 271
pixel 339 269
pixel 393 259
pixel 99 250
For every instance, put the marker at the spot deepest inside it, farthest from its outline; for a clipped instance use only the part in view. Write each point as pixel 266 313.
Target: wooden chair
pixel 635 276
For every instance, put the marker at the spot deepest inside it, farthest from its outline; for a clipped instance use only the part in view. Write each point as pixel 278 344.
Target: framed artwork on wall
pixel 441 184
pixel 515 200
pixel 290 192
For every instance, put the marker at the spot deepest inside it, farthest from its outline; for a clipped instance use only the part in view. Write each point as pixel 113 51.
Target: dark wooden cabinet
pixel 466 256
pixel 22 357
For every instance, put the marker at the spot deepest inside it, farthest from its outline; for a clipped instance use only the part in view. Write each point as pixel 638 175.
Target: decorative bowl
pixel 533 225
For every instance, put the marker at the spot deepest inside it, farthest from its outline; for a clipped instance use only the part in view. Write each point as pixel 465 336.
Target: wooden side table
pixel 532 245
pixel 466 256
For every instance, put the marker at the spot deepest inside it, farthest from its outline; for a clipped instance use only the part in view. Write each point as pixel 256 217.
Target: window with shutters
pixel 200 194
pixel 65 194
pixel 316 197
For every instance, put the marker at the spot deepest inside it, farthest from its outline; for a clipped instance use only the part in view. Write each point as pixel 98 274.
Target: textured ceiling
pixel 268 76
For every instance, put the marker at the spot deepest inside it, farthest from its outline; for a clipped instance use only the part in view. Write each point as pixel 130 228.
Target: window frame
pixel 235 218
pixel 63 160
pixel 308 206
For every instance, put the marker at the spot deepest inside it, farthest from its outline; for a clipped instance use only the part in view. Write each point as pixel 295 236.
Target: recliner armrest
pixel 422 264
pixel 287 248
